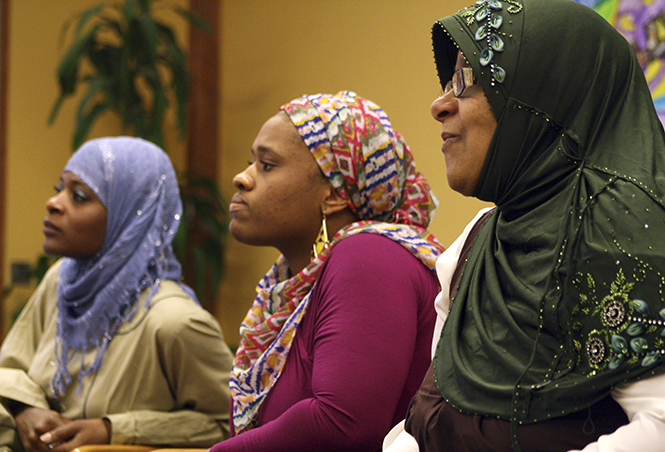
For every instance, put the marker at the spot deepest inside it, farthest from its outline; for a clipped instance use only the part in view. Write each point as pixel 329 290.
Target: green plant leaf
pixel 113 24
pixel 86 16
pixel 68 69
pixel 56 108
pixel 145 44
pixel 130 8
pixel 199 263
pixel 85 122
pixel 193 19
pixel 175 60
pixel 98 86
pixel 205 221
pixel 180 241
pixel 106 60
pixel 209 186
pixel 144 6
pixel 159 104
pixel 148 38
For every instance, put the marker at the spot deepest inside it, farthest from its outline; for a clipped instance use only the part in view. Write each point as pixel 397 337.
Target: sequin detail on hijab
pixel 486 14
pixel 572 255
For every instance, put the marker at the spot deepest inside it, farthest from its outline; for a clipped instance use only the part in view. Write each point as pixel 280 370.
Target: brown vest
pixel 438 427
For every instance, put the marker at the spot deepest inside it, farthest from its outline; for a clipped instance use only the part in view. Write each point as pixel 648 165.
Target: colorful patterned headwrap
pixel 371 166
pixel 369 163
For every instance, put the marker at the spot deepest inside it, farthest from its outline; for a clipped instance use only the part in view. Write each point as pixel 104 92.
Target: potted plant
pixel 131 64
pixel 199 242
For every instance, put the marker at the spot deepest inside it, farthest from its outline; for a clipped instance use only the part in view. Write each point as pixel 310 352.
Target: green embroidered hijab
pixel 562 296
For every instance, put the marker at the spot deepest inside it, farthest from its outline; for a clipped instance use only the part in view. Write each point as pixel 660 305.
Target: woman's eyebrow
pixel 263 150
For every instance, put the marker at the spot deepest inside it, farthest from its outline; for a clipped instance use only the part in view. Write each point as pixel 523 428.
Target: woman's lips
pixel 49 228
pixel 447 139
pixel 237 203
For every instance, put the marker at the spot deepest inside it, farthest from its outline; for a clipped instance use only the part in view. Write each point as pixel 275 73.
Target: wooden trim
pixel 202 111
pixel 4 36
pixel 114 448
pixel 203 121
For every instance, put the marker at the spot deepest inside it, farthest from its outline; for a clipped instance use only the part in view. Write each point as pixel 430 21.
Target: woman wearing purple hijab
pixel 112 348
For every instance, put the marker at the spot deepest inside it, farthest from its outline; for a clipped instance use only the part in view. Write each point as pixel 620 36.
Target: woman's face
pixel 468 125
pixel 76 222
pixel 280 194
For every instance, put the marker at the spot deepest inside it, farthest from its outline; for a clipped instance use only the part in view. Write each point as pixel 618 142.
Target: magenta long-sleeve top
pixel 358 357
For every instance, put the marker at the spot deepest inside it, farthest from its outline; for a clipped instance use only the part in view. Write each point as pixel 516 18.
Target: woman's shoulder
pixel 369 256
pixel 52 275
pixel 172 293
pixel 46 294
pixel 365 241
pixel 173 310
pixel 373 248
pixel 365 268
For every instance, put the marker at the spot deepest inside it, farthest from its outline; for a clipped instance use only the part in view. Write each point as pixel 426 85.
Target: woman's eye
pixel 58 188
pixel 266 166
pixel 80 196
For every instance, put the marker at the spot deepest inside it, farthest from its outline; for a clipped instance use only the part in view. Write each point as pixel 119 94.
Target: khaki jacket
pixel 164 379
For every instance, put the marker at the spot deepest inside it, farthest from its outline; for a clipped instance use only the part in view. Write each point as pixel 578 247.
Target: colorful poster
pixel 642 22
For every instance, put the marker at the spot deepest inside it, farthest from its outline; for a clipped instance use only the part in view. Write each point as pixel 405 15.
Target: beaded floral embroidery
pixel 628 332
pixel 486 14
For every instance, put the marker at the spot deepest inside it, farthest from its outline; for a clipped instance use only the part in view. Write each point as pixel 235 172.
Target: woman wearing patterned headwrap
pixel 554 336
pixel 338 338
pixel 112 347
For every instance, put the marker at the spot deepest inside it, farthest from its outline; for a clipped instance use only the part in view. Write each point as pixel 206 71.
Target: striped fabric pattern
pixel 368 162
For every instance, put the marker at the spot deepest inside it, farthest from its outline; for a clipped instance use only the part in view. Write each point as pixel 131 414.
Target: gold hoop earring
pixel 321 241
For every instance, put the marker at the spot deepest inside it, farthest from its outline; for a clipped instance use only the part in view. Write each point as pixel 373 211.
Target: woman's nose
pixel 443 106
pixel 243 181
pixel 53 203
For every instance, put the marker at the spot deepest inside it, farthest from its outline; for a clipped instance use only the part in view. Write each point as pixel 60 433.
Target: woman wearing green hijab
pixel 554 338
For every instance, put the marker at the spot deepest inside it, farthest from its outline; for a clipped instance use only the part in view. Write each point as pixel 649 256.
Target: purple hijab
pixel 135 181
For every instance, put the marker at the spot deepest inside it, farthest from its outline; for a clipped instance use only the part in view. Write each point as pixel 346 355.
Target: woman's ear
pixel 333 202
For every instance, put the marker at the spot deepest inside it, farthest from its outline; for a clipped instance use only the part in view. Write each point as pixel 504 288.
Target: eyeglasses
pixel 462 79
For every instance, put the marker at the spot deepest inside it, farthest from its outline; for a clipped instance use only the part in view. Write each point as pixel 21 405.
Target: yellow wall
pixel 36 153
pixel 276 50
pixel 271 52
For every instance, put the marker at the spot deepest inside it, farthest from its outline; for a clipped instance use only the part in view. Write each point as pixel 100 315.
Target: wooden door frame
pixel 4 35
pixel 202 108
pixel 203 117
